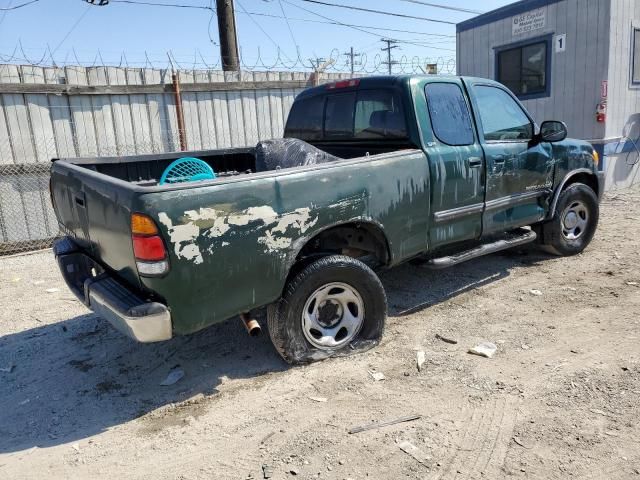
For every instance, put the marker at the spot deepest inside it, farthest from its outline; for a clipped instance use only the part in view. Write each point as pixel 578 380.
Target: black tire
pixel 284 317
pixel 563 241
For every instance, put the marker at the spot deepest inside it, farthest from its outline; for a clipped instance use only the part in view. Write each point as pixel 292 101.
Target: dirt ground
pixel 560 399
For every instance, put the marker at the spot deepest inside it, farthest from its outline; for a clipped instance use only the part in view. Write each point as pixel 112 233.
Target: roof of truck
pixel 378 81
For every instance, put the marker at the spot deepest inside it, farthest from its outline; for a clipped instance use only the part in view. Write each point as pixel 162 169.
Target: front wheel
pixel 574 223
pixel 334 306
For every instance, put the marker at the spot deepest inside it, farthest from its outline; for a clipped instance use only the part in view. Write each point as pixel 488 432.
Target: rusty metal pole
pixel 179 112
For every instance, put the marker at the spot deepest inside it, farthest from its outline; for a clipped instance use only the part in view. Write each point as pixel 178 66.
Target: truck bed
pixel 146 170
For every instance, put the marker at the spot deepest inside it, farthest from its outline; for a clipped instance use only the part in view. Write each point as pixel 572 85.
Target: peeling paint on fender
pixel 212 223
pixel 299 219
pixel 252 214
pixel 183 238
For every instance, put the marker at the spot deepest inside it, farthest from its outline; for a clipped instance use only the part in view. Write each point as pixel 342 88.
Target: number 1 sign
pixel 560 42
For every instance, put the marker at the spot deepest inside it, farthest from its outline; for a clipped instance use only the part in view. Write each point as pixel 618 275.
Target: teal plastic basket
pixel 187 169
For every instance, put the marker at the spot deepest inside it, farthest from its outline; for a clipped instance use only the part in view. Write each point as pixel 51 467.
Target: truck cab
pixel 489 166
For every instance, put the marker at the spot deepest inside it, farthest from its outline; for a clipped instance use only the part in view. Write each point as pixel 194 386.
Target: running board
pixel 513 239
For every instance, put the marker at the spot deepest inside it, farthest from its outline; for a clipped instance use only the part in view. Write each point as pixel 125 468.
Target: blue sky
pixel 142 31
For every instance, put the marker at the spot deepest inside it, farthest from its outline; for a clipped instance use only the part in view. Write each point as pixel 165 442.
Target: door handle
pixel 499 158
pixel 475 162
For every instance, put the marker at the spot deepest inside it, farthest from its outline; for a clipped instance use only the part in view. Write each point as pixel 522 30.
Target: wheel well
pixel 587 178
pixel 364 241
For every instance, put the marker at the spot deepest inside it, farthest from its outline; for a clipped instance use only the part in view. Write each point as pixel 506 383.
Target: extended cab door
pixel 519 170
pixel 456 165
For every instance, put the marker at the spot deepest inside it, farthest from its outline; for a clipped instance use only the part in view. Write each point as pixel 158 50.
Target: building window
pixel 523 69
pixel 636 57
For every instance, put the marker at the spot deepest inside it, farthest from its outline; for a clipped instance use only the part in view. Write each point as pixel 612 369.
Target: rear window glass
pixel 365 114
pixel 305 119
pixel 338 119
pixel 379 114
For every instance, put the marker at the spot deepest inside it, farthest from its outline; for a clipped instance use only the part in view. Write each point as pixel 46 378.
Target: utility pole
pixel 228 37
pixel 352 57
pixel 390 46
pixel 317 62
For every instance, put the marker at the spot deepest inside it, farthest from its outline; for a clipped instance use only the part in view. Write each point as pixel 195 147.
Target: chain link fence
pixel 27 218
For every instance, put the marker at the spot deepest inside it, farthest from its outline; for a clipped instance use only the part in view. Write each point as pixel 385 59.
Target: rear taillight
pixel 148 247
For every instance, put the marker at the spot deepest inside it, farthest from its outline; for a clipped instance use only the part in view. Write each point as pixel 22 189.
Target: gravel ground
pixel 560 399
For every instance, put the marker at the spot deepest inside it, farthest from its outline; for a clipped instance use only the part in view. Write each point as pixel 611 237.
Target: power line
pixel 444 7
pixel 246 12
pixel 379 12
pixel 213 15
pixel 4 13
pixel 358 28
pixel 293 37
pixel 263 31
pixel 156 4
pixel 73 27
pixel 15 7
pixel 331 19
pixel 413 32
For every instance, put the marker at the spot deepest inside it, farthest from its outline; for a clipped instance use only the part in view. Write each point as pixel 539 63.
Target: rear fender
pixel 371 226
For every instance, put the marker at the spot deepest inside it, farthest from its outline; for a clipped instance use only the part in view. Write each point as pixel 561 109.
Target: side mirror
pixel 553 131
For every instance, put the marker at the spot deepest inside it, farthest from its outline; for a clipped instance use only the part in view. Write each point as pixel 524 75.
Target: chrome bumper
pixel 144 321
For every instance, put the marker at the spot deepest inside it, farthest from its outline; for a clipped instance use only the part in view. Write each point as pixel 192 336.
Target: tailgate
pixel 95 211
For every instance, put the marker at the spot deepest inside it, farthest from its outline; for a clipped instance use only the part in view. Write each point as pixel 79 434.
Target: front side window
pixel 524 69
pixel 501 117
pixel 636 56
pixel 449 114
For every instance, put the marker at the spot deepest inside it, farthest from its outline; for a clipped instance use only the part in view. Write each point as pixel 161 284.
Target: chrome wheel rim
pixel 575 220
pixel 333 315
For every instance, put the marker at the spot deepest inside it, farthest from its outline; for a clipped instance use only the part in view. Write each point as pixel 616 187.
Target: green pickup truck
pixel 371 173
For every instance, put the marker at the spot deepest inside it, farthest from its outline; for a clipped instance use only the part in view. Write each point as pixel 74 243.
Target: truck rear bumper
pixel 141 320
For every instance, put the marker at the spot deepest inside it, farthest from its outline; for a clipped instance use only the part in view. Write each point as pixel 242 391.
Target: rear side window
pixel 449 113
pixel 338 120
pixel 305 119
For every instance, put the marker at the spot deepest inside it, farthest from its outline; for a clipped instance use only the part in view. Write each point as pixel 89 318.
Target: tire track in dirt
pixel 484 443
pixel 469 421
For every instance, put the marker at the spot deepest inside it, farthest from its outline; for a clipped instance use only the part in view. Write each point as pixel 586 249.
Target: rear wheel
pixel 334 306
pixel 574 223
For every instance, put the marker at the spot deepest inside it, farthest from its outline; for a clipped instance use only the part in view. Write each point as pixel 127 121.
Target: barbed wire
pixel 256 61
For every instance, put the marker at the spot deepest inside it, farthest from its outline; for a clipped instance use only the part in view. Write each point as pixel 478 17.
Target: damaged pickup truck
pixel 371 173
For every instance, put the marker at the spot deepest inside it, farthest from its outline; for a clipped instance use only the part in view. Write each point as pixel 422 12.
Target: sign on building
pixel 530 21
pixel 560 41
